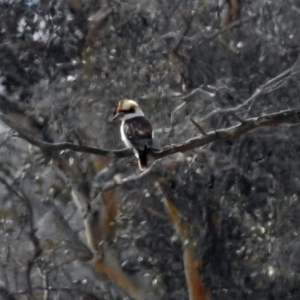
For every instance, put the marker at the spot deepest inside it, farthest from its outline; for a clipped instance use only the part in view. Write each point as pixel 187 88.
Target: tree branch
pixel 222 134
pixel 27 136
pixel 231 132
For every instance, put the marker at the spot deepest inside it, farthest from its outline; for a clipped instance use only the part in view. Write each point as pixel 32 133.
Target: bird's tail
pixel 142 160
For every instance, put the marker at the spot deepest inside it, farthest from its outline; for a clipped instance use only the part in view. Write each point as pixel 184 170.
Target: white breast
pixel 124 138
pixel 126 141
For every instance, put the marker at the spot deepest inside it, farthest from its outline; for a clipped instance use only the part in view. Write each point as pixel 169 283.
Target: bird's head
pixel 126 109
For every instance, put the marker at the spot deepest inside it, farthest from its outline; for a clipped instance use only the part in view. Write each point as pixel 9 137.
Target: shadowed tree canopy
pixel 215 216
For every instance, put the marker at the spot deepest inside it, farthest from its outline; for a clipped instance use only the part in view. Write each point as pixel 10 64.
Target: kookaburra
pixel 136 130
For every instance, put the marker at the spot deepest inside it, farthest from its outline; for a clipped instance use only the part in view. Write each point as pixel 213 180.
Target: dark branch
pixel 226 133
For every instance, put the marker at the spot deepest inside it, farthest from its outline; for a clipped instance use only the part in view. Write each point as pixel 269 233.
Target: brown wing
pixel 138 131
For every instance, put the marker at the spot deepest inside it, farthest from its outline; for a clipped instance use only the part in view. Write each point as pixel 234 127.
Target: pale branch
pixel 222 134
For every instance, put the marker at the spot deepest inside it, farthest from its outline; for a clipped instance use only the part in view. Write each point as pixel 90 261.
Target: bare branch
pixel 222 134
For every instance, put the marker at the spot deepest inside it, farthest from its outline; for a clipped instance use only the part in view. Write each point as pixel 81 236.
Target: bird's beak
pixel 116 117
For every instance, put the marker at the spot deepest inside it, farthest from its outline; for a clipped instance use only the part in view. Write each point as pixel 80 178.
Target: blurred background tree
pixel 217 222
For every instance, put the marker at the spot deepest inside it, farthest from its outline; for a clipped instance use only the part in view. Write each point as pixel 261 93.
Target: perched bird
pixel 136 130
